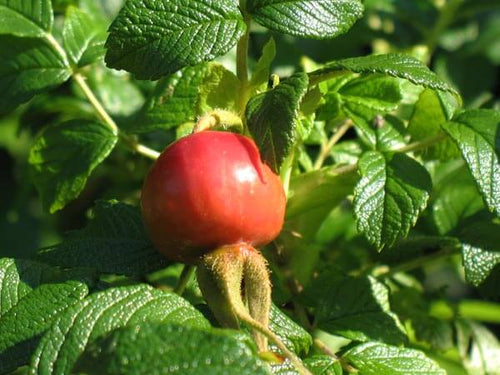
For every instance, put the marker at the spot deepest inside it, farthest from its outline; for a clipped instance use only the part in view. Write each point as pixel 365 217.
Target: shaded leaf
pixel 217 352
pixel 28 67
pixel 63 157
pixel 113 242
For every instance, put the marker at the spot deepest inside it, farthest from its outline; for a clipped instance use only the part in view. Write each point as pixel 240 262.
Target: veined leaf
pixel 358 308
pixel 113 242
pixel 27 311
pixel 271 118
pixel 319 19
pixel 477 135
pixel 28 67
pixel 64 156
pixel 293 336
pixel 391 194
pixel 27 18
pixel 393 64
pixel 153 38
pixel 262 68
pixel 187 350
pixel 81 36
pixel 374 358
pixel 432 109
pixel 101 313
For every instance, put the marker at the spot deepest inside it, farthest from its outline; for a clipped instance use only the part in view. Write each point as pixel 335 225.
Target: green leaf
pixel 391 194
pixel 26 18
pixel 154 38
pixel 374 358
pixel 262 69
pixel 319 19
pixel 323 365
pixel 32 316
pixel 82 36
pixel 293 336
pixel 18 277
pixel 317 189
pixel 173 102
pixel 101 313
pixel 358 309
pixel 477 134
pixel 456 197
pixel 113 242
pixel 362 99
pixel 478 347
pixel 60 176
pixel 187 350
pixel 271 118
pixel 218 89
pixel 432 109
pixel 480 251
pixel 393 64
pixel 28 67
pixel 27 309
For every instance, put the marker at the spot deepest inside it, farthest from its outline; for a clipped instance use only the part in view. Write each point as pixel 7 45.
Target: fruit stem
pixel 218 118
pixel 184 279
pixel 244 317
pixel 327 147
pixel 110 123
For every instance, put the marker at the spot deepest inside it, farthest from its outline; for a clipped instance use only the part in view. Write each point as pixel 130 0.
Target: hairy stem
pixel 110 123
pixel 244 317
pixel 184 279
pixel 327 147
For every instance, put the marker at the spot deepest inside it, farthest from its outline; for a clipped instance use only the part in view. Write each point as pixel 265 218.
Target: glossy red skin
pixel 211 189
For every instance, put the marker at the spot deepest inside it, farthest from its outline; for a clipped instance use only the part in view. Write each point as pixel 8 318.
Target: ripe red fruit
pixel 211 189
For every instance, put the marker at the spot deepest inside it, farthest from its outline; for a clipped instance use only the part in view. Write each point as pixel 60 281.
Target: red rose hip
pixel 211 189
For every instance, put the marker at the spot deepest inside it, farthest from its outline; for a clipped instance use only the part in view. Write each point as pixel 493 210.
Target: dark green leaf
pixel 293 336
pixel 271 118
pixel 375 358
pixel 358 308
pixel 28 67
pixel 28 309
pixel 101 313
pixel 173 102
pixel 164 348
pixel 391 194
pixel 323 365
pixel 478 347
pixel 480 251
pixel 319 19
pixel 152 38
pixel 114 241
pixel 29 18
pixel 82 36
pixel 64 156
pixel 396 65
pixel 477 135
